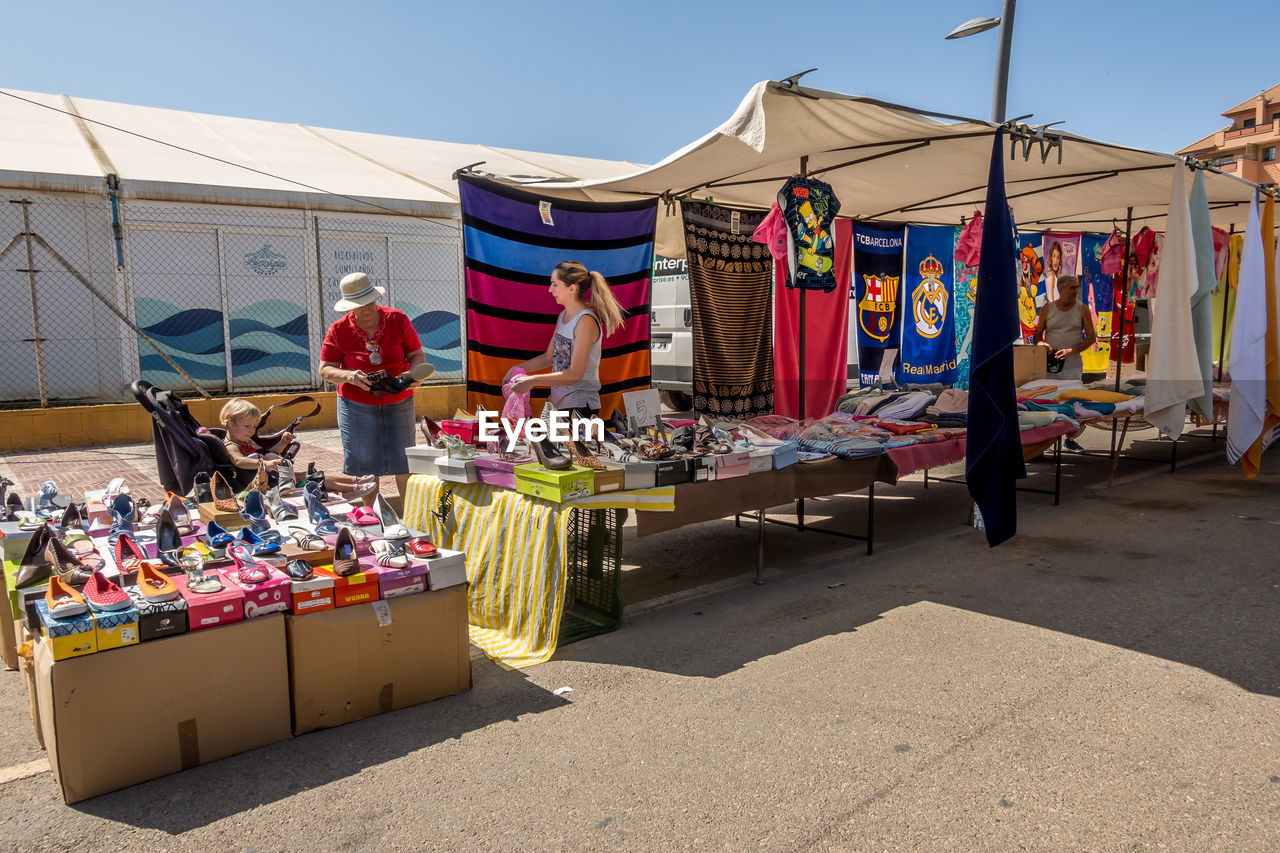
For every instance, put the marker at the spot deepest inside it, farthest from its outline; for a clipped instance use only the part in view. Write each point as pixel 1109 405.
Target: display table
pixel 520 553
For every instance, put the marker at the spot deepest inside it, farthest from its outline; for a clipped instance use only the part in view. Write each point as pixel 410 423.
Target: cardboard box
pixel 28 667
pixel 456 470
pixel 157 619
pixel 357 662
pixel 228 520
pixel 15 540
pixel 115 628
pixel 8 643
pixel 359 588
pixel 193 693
pixel 785 456
pixel 1030 361
pixel 323 557
pixel 558 485
pixel 702 468
pixel 422 458
pixel 312 595
pixel 68 637
pixel 760 460
pixel 446 570
pixel 211 609
pixel 610 478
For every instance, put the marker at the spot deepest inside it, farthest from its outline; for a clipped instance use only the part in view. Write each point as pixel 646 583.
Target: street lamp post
pixel 981 25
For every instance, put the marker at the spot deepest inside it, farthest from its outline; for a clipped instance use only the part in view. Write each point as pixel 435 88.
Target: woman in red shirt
pixel 375 429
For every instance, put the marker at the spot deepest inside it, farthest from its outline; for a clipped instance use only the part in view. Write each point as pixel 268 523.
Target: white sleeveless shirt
pixel 585 393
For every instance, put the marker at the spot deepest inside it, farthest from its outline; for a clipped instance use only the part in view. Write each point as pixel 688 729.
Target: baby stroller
pixel 184 448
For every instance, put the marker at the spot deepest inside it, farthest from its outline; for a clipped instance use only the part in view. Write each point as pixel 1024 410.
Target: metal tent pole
pixel 804 171
pixel 1226 299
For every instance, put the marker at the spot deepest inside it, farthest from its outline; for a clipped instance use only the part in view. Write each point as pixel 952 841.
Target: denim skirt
pixel 374 438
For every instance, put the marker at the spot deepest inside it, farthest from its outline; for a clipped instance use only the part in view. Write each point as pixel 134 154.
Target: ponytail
pixel 595 292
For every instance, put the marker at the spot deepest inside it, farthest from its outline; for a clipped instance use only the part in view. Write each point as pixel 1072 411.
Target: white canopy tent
pixel 891 162
pixel 56 143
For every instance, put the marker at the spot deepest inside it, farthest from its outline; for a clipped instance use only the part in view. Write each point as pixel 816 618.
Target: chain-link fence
pixel 96 292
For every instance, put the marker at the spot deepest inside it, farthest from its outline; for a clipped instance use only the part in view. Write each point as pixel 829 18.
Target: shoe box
pixel 785 456
pixel 406 580
pixel 467 430
pixel 260 599
pixel 702 468
pixel 211 609
pixel 199 701
pixel 456 470
pixel 116 628
pixel 610 478
pixel 639 475
pixel 672 472
pixel 230 520
pixel 157 619
pixel 496 471
pixel 312 595
pixel 422 459
pixel 759 460
pixel 554 484
pixel 323 557
pixel 67 636
pixel 349 590
pixel 14 539
pixel 356 662
pixel 447 569
pixel 734 464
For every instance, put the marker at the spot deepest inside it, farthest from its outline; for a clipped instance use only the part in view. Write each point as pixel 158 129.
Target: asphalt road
pixel 1110 679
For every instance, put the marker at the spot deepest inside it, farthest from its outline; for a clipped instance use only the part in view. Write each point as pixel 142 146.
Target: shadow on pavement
pixel 1178 566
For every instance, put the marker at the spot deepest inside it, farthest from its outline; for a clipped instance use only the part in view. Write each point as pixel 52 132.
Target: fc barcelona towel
pixel 877 273
pixel 928 300
pixel 512 239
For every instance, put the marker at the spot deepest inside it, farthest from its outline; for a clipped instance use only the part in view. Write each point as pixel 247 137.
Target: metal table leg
pixel 760 547
pixel 871 516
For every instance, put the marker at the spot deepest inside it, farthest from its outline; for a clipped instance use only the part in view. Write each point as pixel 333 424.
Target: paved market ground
pixel 1110 679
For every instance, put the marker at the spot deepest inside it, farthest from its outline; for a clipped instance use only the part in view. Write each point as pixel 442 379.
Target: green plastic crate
pixel 593 598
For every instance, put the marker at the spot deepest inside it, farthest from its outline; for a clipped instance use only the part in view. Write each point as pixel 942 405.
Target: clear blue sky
pixel 638 80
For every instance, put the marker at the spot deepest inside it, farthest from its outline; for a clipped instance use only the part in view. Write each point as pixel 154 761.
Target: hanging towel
pixel 1248 348
pixel 1173 367
pixel 826 340
pixel 969 243
pixel 729 282
pixel 993 453
pixel 1271 418
pixel 1202 300
pixel 966 278
pixel 773 233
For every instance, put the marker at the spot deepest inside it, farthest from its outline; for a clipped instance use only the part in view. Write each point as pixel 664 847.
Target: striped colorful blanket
pixel 512 239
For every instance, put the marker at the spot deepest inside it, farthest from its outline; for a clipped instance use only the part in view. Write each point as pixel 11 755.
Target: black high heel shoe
pixel 381 382
pixel 548 456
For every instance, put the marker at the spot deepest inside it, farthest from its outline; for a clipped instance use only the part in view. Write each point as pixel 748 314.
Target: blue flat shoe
pixel 259 545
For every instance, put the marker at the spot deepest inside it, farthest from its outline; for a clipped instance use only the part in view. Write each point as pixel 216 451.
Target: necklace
pixel 371 345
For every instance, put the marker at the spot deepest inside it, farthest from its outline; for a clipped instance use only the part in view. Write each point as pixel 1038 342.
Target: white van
pixel 671 334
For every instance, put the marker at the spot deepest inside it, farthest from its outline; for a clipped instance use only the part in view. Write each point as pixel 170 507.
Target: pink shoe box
pixel 735 464
pixel 260 599
pixel 496 471
pixel 211 609
pixel 402 581
pixel 463 429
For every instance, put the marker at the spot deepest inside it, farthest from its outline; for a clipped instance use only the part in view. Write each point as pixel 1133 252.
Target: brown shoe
pixel 344 553
pixel 67 565
pixel 35 565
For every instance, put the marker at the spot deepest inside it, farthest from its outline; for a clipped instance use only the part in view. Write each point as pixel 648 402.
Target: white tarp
pixel 59 143
pixel 896 163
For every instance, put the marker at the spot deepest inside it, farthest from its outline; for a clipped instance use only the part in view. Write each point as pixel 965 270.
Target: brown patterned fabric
pixel 730 276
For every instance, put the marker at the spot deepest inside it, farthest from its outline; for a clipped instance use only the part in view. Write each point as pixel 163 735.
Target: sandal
pixel 305 539
pixel 81 546
pixel 422 548
pixel 389 555
pixel 251 571
pixel 363 515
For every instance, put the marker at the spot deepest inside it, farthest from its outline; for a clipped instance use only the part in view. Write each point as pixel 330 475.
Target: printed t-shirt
pixel 809 208
pixel 349 347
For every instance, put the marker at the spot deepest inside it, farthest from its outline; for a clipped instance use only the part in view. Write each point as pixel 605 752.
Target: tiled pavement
pixel 76 470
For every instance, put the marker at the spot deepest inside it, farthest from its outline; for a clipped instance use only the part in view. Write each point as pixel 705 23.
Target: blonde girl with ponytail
pixel 589 313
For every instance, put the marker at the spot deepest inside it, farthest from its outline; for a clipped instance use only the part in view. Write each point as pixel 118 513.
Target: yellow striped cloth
pixel 516 551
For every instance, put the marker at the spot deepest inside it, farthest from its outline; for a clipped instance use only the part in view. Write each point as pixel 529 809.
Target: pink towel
pixel 773 233
pixel 969 246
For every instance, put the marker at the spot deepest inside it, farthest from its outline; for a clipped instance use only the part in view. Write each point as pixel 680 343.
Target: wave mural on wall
pixel 192 337
pixel 269 344
pixel 441 336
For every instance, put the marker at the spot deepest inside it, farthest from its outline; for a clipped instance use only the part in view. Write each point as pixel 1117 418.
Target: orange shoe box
pixel 313 595
pixel 360 588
